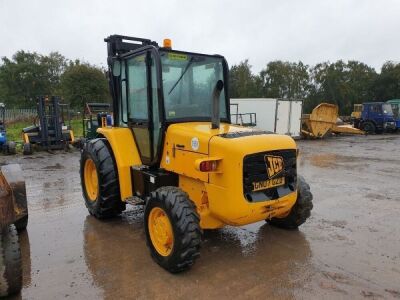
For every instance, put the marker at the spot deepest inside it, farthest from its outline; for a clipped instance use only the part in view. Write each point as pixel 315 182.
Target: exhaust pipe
pixel 215 121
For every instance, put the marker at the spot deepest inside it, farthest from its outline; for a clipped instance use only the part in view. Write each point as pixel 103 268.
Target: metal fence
pixel 21 114
pixel 16 114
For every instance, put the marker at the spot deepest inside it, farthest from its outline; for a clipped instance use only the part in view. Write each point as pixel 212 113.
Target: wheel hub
pixel 91 180
pixel 161 233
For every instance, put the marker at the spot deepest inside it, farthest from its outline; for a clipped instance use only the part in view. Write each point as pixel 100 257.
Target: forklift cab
pixel 154 86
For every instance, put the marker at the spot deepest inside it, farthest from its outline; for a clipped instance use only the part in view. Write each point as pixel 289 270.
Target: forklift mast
pixel 51 131
pixel 52 118
pixel 118 45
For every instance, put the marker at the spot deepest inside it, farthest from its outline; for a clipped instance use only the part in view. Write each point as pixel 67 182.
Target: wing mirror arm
pixel 215 120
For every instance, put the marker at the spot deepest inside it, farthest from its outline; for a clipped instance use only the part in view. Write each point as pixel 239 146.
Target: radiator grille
pixel 255 171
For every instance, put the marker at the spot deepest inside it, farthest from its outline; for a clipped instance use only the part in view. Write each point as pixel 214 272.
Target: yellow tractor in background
pixel 173 149
pixel 356 113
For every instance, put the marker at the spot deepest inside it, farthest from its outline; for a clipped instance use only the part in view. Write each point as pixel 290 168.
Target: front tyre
pixel 99 179
pixel 301 210
pixel 369 127
pixel 27 149
pixel 172 228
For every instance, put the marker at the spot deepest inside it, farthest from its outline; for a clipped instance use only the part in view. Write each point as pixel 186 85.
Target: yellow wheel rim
pixel 161 233
pixel 91 180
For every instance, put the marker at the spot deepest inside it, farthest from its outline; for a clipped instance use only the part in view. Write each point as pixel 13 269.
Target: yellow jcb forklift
pixel 173 149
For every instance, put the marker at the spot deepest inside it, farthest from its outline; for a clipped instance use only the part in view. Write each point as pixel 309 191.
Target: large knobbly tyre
pixel 10 262
pixel 300 212
pixel 172 228
pixel 99 178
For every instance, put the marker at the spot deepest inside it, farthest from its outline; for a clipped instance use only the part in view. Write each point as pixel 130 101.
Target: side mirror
pixel 116 68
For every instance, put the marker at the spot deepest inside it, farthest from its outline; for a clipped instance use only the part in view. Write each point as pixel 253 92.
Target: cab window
pixel 137 84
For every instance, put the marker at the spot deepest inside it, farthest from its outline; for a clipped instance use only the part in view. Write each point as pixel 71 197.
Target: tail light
pixel 210 164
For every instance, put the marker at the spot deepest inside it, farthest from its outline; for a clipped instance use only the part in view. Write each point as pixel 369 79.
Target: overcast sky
pixel 311 31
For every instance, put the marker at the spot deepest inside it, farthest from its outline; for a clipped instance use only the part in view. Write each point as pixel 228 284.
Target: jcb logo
pixel 274 165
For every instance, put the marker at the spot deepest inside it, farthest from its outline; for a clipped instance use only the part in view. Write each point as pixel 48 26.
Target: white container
pixel 276 115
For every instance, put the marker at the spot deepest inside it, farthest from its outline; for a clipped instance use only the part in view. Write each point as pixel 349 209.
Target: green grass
pixel 77 127
pixel 14 130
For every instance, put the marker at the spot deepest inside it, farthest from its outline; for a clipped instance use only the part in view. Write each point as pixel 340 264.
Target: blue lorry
pixel 375 117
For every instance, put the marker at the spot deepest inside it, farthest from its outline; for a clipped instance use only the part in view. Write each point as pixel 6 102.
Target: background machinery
pixel 93 116
pixel 395 103
pixel 13 218
pixel 52 129
pixel 173 149
pixel 8 147
pixel 374 117
pixel 356 113
pixel 323 120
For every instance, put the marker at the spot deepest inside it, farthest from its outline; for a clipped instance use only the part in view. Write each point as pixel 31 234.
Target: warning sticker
pixel 177 56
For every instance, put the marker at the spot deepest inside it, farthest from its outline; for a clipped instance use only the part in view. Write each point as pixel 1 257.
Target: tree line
pixel 28 74
pixel 341 83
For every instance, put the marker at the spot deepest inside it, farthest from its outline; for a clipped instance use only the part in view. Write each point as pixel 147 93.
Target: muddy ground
pixel 349 248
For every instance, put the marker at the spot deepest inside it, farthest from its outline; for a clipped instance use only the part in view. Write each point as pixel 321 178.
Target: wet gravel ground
pixel 349 248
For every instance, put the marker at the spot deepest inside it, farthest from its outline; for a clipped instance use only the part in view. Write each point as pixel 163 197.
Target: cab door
pixel 143 105
pixel 377 114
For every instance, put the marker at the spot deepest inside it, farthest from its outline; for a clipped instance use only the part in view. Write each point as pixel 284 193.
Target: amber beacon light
pixel 167 43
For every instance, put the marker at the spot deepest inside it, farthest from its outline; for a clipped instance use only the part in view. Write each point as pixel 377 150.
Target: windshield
pixel 188 83
pixel 395 108
pixel 387 109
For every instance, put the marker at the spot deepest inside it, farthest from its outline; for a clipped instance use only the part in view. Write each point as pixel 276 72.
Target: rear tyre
pixel 172 228
pixel 10 262
pixel 27 150
pixel 369 127
pixel 100 185
pixel 301 210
